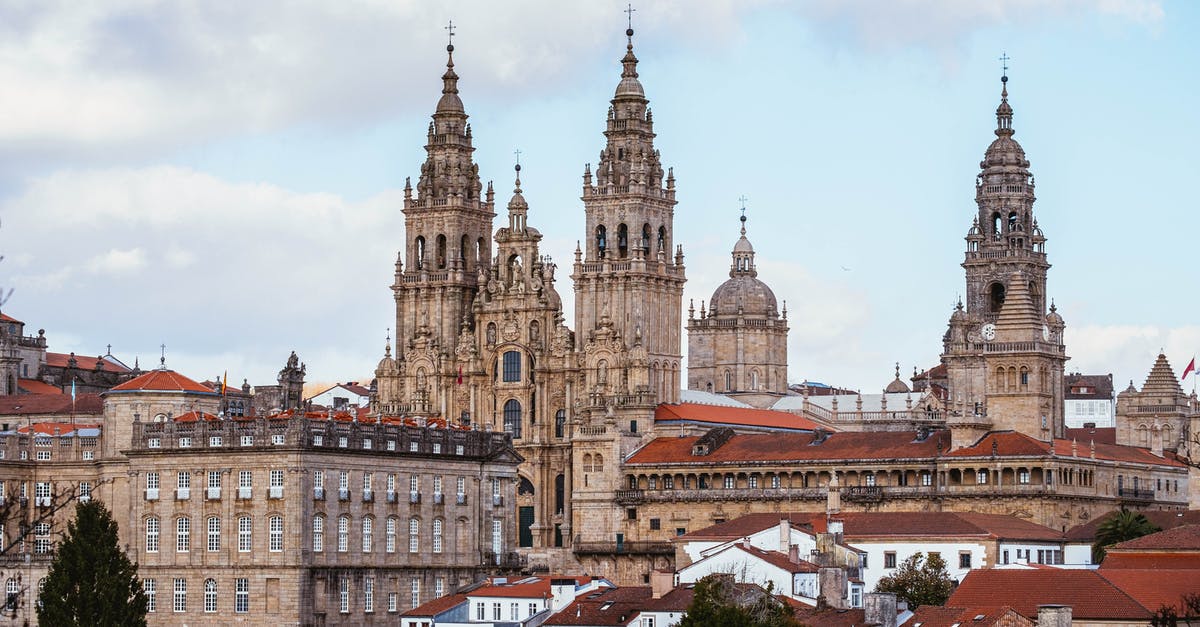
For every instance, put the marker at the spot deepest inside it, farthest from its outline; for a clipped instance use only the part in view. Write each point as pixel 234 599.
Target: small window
pixel 655 524
pixel 631 513
pixel 964 560
pixel 889 559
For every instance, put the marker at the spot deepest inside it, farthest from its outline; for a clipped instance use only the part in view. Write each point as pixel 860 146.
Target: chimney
pixel 880 609
pixel 661 582
pixel 785 534
pixel 794 554
pixel 832 582
pixel 1054 616
pixel 833 497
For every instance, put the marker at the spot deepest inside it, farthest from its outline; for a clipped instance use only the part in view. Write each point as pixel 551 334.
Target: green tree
pixel 920 580
pixel 717 603
pixel 91 581
pixel 1121 526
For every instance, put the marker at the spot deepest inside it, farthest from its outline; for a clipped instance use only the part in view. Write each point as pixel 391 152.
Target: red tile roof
pixel 161 381
pixel 49 428
pixel 610 606
pixel 196 416
pixel 44 404
pixel 775 558
pixel 1015 444
pixel 1090 596
pixel 1162 519
pixel 436 606
pixel 1184 537
pixel 1154 587
pixel 33 386
pixel 1156 559
pixel 83 362
pixel 1086 435
pixel 794 446
pixel 733 416
pixel 7 318
pixel 888 525
pixel 828 617
pixel 938 616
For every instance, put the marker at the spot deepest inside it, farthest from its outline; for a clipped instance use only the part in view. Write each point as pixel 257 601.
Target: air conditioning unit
pixel 460 499
pixel 343 495
pixel 438 498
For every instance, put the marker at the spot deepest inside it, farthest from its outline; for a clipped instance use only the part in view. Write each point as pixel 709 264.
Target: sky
pixel 225 178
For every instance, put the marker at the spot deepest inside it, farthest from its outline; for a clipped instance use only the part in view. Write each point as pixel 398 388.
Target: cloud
pixel 1128 350
pixel 135 74
pixel 117 261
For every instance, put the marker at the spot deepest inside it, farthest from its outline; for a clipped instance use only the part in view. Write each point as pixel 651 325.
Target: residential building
pixel 1088 400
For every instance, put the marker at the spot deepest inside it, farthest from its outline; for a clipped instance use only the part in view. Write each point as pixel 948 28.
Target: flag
pixel 1191 368
pixel 225 383
pixel 73 391
pixel 459 380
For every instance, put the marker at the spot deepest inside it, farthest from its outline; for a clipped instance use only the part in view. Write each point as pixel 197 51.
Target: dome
pixel 743 245
pixel 896 387
pixel 630 86
pixel 748 293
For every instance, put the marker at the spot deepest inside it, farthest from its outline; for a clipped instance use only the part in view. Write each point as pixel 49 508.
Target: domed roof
pixel 897 386
pixel 743 245
pixel 629 85
pixel 450 102
pixel 746 293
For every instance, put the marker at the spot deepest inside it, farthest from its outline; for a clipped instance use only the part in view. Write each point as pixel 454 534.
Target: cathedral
pixel 595 408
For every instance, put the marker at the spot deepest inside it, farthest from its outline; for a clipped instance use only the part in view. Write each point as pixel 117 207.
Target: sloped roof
pixel 794 446
pixel 861 525
pixel 60 429
pixel 7 318
pixel 1090 596
pixel 436 606
pixel 709 398
pixel 774 558
pixel 828 616
pixel 162 381
pixel 610 606
pixel 1161 379
pixel 1154 587
pixel 1016 444
pixel 953 616
pixel 42 404
pixel 1183 537
pixel 33 386
pixel 732 416
pixel 1084 436
pixel 1161 519
pixel 1100 384
pixel 83 362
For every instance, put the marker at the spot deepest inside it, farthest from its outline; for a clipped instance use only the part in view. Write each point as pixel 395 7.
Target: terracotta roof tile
pixel 888 524
pixel 1090 596
pixel 436 606
pixel 610 606
pixel 1015 444
pixel 794 446
pixel 1084 436
pixel 7 318
pixel 33 386
pixel 1101 386
pixel 161 381
pixel 1156 559
pixel 829 617
pixel 50 428
pixel 733 416
pixel 951 616
pixel 1184 537
pixel 776 559
pixel 43 404
pixel 1154 587
pixel 1162 519
pixel 83 362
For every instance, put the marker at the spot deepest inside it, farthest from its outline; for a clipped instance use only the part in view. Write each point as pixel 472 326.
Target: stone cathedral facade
pixel 480 332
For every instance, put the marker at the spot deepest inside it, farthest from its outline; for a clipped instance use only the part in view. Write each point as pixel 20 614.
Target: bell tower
pixel 447 227
pixel 1003 351
pixel 629 276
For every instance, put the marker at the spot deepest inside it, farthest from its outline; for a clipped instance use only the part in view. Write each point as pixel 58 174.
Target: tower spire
pixel 1004 112
pixel 450 101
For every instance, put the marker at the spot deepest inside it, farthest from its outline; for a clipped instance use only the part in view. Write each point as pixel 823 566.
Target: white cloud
pixel 117 261
pixel 1129 350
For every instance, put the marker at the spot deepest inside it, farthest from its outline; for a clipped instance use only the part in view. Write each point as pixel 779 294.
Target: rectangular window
pixel 183 535
pixel 275 534
pixel 367 444
pixel 277 439
pixel 514 611
pixel 210 596
pixel 414 447
pixel 415 589
pixel 964 560
pixel 391 445
pixel 152 481
pixel 862 560
pixel 43 456
pixel 214 441
pixel 150 589
pixel 393 602
pixel 368 594
pixel 185 442
pixel 512 367
pixel 496 611
pixel 889 559
pixel 245 479
pixel 247 440
pixel 390 535
pixel 655 524
pixel 244 534
pixel 414 535
pixel 439 587
pixel 241 599
pixel 344 596
pixel 1023 477
pixel 214 534
pixel 276 484
pixel 318 440
pixel 180 595
pixel 343 480
pixel 729 482
pixel 1004 557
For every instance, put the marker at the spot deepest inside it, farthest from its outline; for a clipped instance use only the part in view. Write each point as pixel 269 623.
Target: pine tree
pixel 920 580
pixel 91 581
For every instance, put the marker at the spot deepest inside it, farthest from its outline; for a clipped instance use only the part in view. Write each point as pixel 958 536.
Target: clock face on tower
pixel 988 331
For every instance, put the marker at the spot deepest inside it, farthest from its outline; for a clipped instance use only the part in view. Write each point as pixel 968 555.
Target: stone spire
pixel 449 171
pixel 1162 379
pixel 450 102
pixel 1018 314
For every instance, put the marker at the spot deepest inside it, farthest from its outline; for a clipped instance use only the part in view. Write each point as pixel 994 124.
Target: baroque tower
pixel 738 345
pixel 1004 353
pixel 447 243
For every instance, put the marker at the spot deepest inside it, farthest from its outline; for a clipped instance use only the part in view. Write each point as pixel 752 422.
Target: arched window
pixel 1012 221
pixel 368 534
pixel 662 238
pixel 601 239
pixel 420 252
pixel 214 534
pixel 996 225
pixel 183 534
pixel 480 247
pixel 512 367
pixel 512 417
pixel 728 381
pixel 210 596
pixel 441 251
pixel 463 246
pixel 753 379
pixel 152 531
pixel 560 423
pixel 996 297
pixel 560 490
pixel 647 234
pixel 597 463
pixel 623 241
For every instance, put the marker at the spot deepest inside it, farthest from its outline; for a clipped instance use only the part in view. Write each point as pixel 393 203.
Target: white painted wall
pixel 949 550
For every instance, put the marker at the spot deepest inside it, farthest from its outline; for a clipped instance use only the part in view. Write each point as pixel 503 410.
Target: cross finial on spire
pixel 517 152
pixel 162 360
pixel 450 35
pixel 743 200
pixel 629 16
pixel 1004 59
